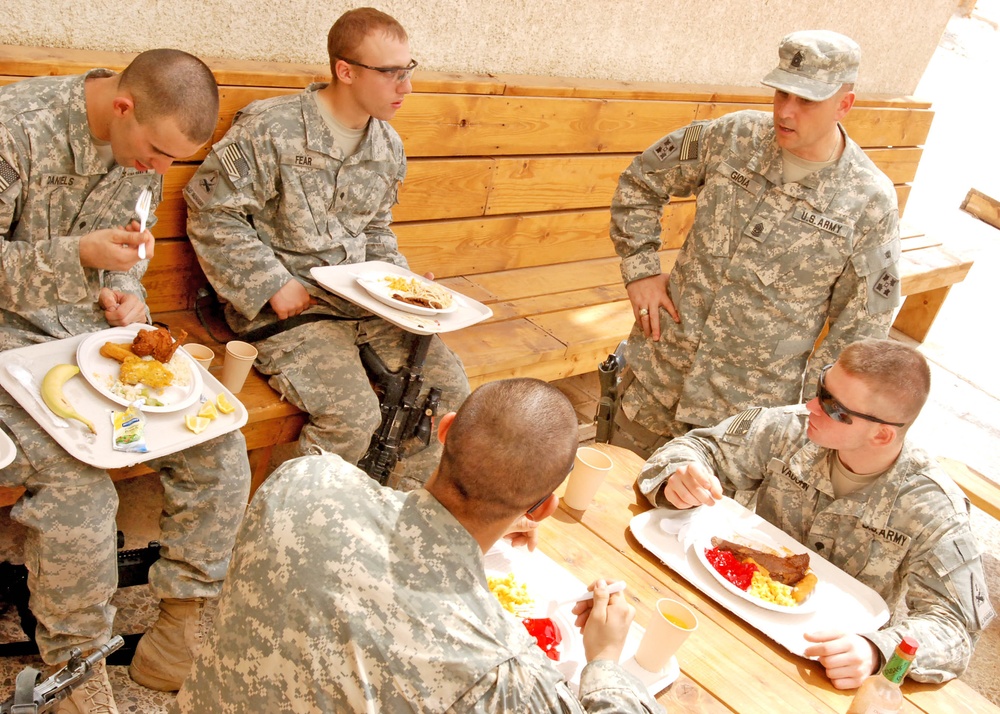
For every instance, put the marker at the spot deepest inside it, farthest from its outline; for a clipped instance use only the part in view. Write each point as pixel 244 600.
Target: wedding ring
pixel 643 312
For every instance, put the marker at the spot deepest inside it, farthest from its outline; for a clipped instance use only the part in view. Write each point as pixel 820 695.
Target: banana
pixel 52 393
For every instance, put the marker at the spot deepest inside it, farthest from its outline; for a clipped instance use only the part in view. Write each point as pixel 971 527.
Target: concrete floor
pixel 962 418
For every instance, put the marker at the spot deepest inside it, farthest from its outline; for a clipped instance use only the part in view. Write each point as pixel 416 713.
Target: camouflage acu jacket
pixel 764 265
pixel 907 535
pixel 53 189
pixel 345 596
pixel 273 200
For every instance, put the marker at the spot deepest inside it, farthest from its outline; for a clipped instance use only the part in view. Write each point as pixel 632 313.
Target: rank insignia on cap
pixel 664 149
pixel 689 145
pixel 235 162
pixel 885 283
pixel 797 60
pixel 8 175
pixel 741 424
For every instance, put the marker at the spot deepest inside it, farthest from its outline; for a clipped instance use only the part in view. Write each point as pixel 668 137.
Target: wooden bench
pixel 506 200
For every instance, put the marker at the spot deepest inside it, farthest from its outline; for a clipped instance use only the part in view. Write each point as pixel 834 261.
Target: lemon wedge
pixel 197 424
pixel 225 406
pixel 208 411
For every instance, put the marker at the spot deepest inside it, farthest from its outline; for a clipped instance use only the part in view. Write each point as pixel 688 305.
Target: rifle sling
pixel 275 328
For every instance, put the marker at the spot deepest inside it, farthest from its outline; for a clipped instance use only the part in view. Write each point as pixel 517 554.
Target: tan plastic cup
pixel 589 471
pixel 239 360
pixel 200 353
pixel 672 622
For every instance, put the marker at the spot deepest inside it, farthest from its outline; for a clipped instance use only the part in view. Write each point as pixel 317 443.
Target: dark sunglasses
pixel 837 411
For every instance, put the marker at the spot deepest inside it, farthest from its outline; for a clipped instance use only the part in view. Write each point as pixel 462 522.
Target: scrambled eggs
pixel 513 596
pixel 763 587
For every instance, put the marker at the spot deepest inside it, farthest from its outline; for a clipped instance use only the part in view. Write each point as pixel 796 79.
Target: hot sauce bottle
pixel 880 693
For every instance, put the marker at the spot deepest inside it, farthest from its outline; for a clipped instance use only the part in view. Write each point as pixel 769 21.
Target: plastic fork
pixel 142 210
pixel 615 587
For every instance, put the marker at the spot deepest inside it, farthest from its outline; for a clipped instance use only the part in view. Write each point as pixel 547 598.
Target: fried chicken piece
pixel 149 372
pixel 118 351
pixel 158 343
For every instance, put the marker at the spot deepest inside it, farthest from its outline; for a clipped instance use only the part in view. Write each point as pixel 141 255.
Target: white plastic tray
pixel 7 449
pixel 165 433
pixel 840 601
pixel 342 280
pixel 547 580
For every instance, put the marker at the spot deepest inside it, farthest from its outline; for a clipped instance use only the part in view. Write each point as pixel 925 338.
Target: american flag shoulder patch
pixel 690 142
pixel 741 423
pixel 234 161
pixel 8 175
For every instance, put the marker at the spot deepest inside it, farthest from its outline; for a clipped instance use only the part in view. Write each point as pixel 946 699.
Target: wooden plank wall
pixel 504 172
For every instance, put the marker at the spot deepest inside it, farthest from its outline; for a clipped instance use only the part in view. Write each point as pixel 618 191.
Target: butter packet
pixel 129 432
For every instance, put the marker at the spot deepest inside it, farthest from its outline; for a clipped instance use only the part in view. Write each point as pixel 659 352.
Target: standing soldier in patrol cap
pixel 795 227
pixel 838 475
pixel 309 180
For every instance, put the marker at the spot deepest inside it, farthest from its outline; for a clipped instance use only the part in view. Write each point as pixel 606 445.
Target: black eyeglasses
pixel 837 411
pixel 544 498
pixel 398 74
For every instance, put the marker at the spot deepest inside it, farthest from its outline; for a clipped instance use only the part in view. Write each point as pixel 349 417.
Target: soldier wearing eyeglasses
pixel 839 476
pixel 795 228
pixel 309 180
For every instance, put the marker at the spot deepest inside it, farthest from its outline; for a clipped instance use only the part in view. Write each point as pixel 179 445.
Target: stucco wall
pixel 692 41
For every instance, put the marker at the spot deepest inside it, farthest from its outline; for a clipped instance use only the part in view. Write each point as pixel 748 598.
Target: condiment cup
pixel 589 470
pixel 200 353
pixel 239 360
pixel 669 626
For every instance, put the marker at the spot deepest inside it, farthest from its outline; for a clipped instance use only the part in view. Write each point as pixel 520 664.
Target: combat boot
pixel 92 697
pixel 163 658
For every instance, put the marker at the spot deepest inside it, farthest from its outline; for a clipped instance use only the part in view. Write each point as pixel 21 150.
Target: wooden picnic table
pixel 726 665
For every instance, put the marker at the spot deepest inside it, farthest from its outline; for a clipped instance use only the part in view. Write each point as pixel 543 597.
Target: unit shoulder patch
pixel 201 188
pixel 665 149
pixel 884 284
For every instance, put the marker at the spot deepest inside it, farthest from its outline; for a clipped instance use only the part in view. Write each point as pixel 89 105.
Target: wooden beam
pixel 983 492
pixel 982 207
pixel 918 312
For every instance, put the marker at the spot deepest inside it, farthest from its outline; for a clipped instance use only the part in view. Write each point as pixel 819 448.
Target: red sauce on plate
pixel 739 574
pixel 546 634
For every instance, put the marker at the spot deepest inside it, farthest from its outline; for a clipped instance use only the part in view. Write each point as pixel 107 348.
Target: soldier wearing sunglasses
pixel 309 180
pixel 839 475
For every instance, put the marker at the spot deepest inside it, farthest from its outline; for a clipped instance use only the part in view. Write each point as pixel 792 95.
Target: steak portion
pixel 788 569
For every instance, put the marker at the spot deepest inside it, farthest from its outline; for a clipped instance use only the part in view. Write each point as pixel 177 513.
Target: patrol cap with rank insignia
pixel 813 64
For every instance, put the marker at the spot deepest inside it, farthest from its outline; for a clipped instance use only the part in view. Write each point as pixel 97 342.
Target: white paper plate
pixel 375 285
pixel 102 371
pixel 808 607
pixel 7 449
pixel 572 656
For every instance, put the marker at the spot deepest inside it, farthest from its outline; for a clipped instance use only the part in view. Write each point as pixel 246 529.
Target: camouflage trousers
pixel 68 511
pixel 317 367
pixel 643 424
